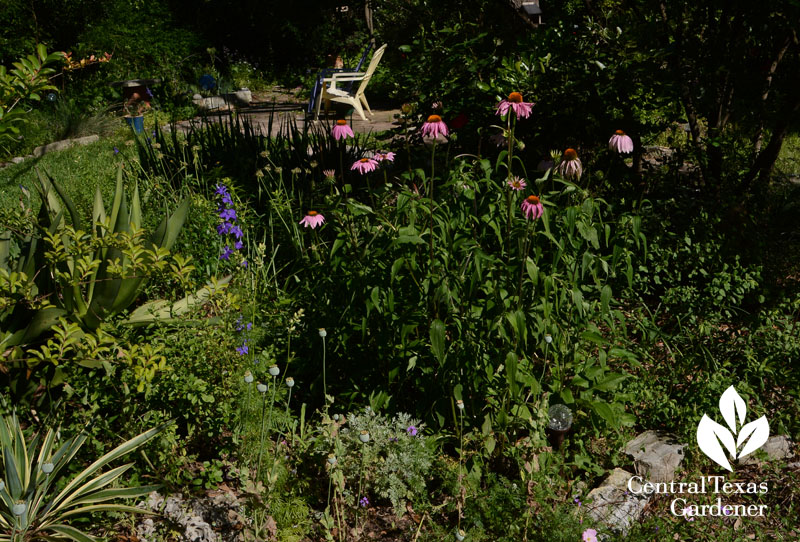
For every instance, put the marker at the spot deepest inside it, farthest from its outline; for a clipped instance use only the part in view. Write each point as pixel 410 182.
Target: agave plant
pixel 85 287
pixel 31 505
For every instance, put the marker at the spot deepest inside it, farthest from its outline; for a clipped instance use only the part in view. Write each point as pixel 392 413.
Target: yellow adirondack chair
pixel 356 98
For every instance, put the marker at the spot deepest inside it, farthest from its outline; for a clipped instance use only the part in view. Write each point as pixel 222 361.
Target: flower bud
pixel 331 459
pixel 548 338
pixel 248 377
pixel 322 332
pixel 460 404
pixel 19 508
pixel 273 370
pixel 47 468
pixel 261 387
pixel 364 436
pixel 290 382
pixel 460 535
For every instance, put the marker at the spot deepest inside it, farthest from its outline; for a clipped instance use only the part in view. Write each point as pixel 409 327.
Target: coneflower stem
pixel 430 198
pixel 324 377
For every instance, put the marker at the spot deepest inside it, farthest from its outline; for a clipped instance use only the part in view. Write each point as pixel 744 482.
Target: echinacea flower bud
pixel 290 382
pixel 322 332
pixel 19 508
pixel 47 468
pixel 261 387
pixel 274 371
pixel 248 377
pixel 364 436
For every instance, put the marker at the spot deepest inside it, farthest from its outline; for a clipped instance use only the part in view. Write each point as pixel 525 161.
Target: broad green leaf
pixel 437 334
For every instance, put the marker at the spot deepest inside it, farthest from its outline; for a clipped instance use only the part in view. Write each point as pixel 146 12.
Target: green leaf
pixel 605 411
pixel 437 333
pixel 605 298
pixel 566 396
pixel 610 382
pixel 511 374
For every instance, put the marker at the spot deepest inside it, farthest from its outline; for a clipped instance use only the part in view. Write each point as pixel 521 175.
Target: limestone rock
pixel 613 504
pixel 777 447
pixel 656 455
pixel 64 144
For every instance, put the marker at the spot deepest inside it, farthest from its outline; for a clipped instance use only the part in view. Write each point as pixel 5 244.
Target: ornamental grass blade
pixel 71 209
pixel 124 448
pixel 89 487
pixel 71 533
pixel 104 508
pixel 116 493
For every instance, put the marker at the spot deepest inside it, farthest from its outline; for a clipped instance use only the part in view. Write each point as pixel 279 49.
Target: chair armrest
pixel 343 78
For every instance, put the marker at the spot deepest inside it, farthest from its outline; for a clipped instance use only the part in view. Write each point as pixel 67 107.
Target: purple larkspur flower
pixel 238 245
pixel 244 264
pixel 242 350
pixel 116 150
pixel 226 253
pixel 236 231
pixel 364 502
pixel 228 214
pixel 221 190
pixel 412 430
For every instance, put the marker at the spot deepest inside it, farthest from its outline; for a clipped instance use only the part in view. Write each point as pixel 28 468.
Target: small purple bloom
pixel 242 350
pixel 148 92
pixel 238 245
pixel 364 502
pixel 228 214
pixel 244 264
pixel 227 200
pixel 226 253
pixel 249 326
pixel 224 228
pixel 236 231
pixel 221 190
pixel 412 430
pixel 116 150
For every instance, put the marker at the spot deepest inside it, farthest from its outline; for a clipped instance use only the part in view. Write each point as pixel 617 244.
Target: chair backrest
pixel 367 49
pixel 376 58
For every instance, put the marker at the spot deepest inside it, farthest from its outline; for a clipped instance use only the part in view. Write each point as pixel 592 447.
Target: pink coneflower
pixel 589 535
pixel 532 207
pixel 381 156
pixel 329 173
pixel 312 220
pixel 365 165
pixel 620 142
pixel 517 183
pixel 570 166
pixel 341 130
pixel 514 102
pixel 433 127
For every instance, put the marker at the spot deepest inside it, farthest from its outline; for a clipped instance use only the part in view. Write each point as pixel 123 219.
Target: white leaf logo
pixel 711 436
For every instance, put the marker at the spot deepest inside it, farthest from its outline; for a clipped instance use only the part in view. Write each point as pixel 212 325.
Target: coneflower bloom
pixel 365 165
pixel 381 156
pixel 517 183
pixel 620 143
pixel 532 207
pixel 329 173
pixel 570 166
pixel 433 127
pixel 312 220
pixel 341 130
pixel 521 109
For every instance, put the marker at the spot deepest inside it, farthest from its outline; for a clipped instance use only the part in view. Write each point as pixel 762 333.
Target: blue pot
pixel 137 123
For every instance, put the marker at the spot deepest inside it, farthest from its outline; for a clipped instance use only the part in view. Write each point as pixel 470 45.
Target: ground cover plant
pixel 329 335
